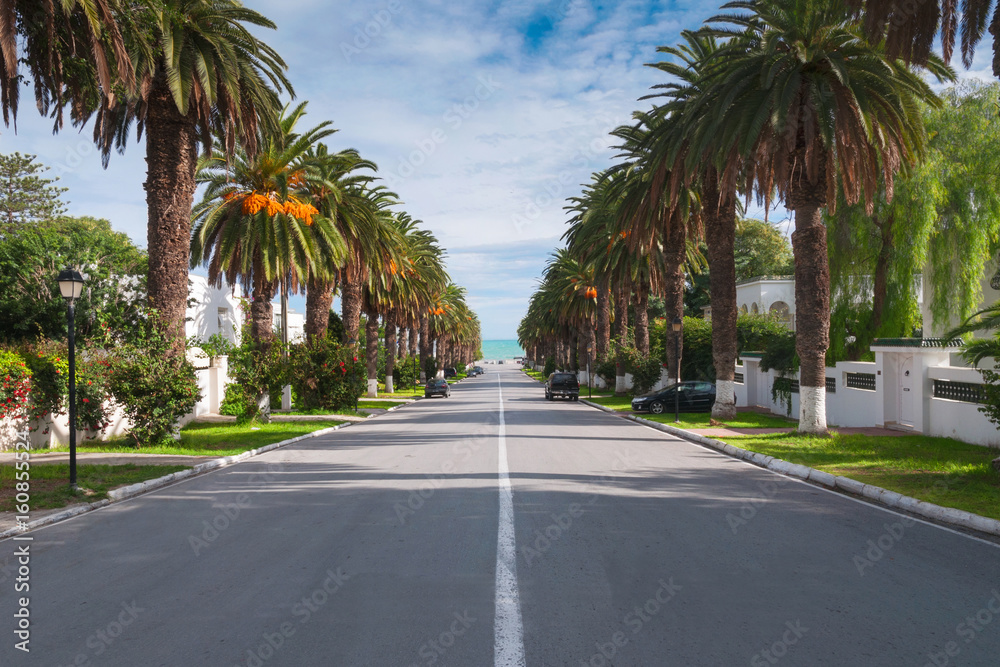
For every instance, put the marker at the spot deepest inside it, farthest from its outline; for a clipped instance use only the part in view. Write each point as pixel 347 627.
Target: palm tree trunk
pixel 603 318
pixel 812 315
pixel 371 353
pixel 621 335
pixel 413 340
pixel 390 351
pixel 425 346
pixel 720 235
pixel 319 298
pixel 350 297
pixel 641 304
pixel 402 341
pixel 171 157
pixel 261 310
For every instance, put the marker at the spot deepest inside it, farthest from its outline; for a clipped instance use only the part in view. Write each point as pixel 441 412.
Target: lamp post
pixel 676 326
pixel 590 379
pixel 71 286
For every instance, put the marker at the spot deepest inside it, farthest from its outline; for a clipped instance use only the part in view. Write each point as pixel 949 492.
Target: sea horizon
pixel 501 348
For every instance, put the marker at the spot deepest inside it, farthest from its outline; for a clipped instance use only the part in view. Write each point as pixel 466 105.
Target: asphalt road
pixel 379 545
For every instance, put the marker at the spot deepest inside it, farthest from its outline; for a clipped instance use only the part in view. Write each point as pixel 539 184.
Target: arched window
pixel 754 309
pixel 780 310
pixel 743 309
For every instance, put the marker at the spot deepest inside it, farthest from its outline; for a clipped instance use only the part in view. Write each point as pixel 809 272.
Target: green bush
pixel 407 372
pixel 15 384
pixel 645 373
pixel 255 370
pixel 326 375
pixel 49 366
pixel 154 387
pixel 93 393
pixel 753 333
pixel 550 366
pixel 607 370
pixel 430 367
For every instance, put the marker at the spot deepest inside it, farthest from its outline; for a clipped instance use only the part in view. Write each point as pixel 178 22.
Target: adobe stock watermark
pixel 546 538
pixel 779 649
pixel 272 642
pixel 750 507
pixel 211 530
pixel 461 452
pixel 635 621
pixel 878 548
pixel 454 117
pixel 103 637
pixel 556 189
pixel 970 628
pixel 435 648
pixel 367 32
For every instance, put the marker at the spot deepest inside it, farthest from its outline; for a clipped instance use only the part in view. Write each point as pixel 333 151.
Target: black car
pixel 437 387
pixel 474 371
pixel 694 396
pixel 450 373
pixel 562 384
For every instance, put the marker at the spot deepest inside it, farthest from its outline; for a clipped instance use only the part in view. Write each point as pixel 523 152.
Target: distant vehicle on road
pixel 450 373
pixel 437 387
pixel 476 370
pixel 694 396
pixel 562 384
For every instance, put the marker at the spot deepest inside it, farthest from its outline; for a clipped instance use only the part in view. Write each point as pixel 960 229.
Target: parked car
pixel 480 371
pixel 450 373
pixel 562 384
pixel 437 387
pixel 693 396
pixel 474 371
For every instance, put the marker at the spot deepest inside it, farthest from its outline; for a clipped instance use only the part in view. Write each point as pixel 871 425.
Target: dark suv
pixel 562 384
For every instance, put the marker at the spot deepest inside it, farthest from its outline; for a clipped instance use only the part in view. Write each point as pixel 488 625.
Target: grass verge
pixel 367 405
pixel 691 420
pixel 50 483
pixel 210 439
pixel 937 470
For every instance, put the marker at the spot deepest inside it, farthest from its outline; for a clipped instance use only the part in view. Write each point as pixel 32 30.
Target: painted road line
pixel 508 631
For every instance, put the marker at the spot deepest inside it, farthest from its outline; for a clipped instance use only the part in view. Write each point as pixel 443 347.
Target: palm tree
pixel 85 30
pixel 813 105
pixel 910 28
pixel 342 195
pixel 686 149
pixel 199 73
pixel 256 224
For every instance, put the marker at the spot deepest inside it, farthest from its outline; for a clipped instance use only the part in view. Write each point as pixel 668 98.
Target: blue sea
pixel 501 349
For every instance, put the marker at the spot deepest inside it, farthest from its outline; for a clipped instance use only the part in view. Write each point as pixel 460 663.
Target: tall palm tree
pixel 686 149
pixel 199 73
pixel 814 105
pixel 256 224
pixel 340 191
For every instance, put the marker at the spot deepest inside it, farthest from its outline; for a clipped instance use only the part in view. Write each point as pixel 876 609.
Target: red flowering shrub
pixel 15 385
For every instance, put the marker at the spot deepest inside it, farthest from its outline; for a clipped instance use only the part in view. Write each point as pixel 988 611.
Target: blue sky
pixel 483 116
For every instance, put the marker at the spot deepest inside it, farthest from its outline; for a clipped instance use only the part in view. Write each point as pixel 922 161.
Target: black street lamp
pixel 71 286
pixel 676 326
pixel 590 378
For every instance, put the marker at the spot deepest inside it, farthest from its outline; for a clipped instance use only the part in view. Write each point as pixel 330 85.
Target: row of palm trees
pixel 298 217
pixel 280 211
pixel 790 100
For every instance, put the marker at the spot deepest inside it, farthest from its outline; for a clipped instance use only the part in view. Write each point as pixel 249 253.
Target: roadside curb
pixel 844 484
pixel 133 490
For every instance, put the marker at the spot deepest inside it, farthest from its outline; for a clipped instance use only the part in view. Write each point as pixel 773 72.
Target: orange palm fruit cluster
pixel 591 293
pixel 303 212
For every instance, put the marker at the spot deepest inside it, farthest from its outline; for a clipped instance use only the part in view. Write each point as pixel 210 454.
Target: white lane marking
pixel 508 632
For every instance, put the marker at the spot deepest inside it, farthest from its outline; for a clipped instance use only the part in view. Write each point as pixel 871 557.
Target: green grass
pixel 535 374
pixel 937 470
pixel 402 392
pixel 49 483
pixel 691 420
pixel 361 405
pixel 210 439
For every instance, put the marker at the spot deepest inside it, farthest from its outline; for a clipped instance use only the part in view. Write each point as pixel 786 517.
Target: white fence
pixel 910 386
pixel 53 432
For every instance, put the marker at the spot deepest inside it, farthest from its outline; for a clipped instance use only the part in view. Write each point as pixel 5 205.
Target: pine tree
pixel 25 194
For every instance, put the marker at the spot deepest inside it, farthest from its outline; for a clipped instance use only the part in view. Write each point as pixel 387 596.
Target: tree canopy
pixel 26 195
